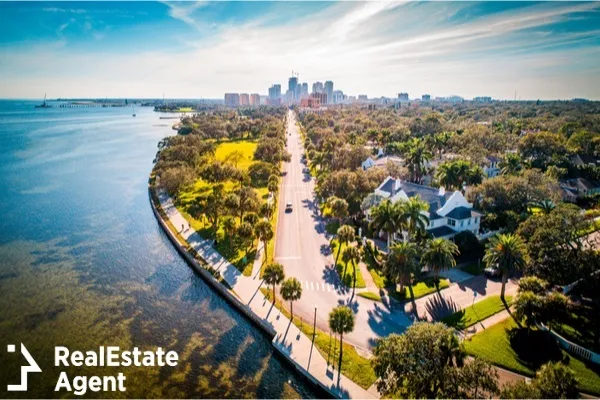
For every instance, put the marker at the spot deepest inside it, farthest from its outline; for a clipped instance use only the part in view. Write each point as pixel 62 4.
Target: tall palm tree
pixel 291 290
pixel 273 275
pixel 229 227
pixel 411 215
pixel 351 255
pixel 341 320
pixel 506 252
pixel 447 175
pixel 511 164
pixel 339 207
pixel 416 158
pixel 264 232
pixel 345 235
pixel 402 267
pixel 439 256
pixel 384 217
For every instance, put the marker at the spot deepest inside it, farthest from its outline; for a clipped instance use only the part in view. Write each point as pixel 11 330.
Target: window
pixel 476 219
pixel 469 221
pixel 461 223
pixel 451 222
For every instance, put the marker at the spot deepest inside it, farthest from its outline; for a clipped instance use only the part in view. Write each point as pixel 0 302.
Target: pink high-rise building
pixel 255 99
pixel 244 99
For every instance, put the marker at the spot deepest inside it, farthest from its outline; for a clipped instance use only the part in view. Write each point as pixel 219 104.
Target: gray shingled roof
pixel 426 193
pixel 441 231
pixel 459 213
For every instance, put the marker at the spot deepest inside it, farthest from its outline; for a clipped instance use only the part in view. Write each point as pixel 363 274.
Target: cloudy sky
pixel 545 50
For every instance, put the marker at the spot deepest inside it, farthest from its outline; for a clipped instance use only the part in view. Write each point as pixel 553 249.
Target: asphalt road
pixel 302 247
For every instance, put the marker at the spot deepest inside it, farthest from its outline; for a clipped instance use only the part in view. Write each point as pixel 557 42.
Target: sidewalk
pixel 288 340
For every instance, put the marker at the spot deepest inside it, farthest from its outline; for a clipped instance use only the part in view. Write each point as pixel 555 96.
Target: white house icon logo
pixel 32 367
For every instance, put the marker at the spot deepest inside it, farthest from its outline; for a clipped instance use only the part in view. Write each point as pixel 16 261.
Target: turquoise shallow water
pixel 83 263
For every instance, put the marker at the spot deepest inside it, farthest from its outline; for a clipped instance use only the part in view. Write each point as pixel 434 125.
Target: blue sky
pixel 543 50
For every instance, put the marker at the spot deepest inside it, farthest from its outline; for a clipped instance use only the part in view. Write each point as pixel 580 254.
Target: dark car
pixel 493 272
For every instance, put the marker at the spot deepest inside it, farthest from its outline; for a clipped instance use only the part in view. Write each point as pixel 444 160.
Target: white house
pixel 492 168
pixel 381 161
pixel 449 212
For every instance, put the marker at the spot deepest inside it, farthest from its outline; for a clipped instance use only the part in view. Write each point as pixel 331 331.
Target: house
pixel 381 162
pixel 581 159
pixel 449 212
pixel 491 168
pixel 573 189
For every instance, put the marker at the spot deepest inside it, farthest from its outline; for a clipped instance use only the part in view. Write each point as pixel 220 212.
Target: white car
pixel 288 206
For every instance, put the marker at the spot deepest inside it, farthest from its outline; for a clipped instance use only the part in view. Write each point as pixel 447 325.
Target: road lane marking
pixel 289 258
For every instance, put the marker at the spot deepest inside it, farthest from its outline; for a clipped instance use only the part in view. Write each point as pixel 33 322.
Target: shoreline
pixel 235 300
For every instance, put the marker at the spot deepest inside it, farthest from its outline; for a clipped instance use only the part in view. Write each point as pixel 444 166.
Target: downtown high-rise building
pixel 232 99
pixel 293 87
pixel 328 88
pixel 402 96
pixel 255 99
pixel 317 87
pixel 275 92
pixel 304 92
pixel 244 99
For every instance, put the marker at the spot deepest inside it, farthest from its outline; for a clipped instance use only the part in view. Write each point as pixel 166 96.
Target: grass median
pixel 477 312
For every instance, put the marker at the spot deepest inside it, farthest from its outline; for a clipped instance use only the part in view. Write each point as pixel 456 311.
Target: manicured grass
pixel 420 289
pixel 516 349
pixel 370 296
pixel 477 312
pixel 474 268
pixel 580 328
pixel 244 147
pixel 374 269
pixel 354 367
pixel 348 279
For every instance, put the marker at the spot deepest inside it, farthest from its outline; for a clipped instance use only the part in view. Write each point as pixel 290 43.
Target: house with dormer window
pixel 449 212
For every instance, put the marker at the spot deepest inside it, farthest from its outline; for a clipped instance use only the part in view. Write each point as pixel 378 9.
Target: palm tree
pixel 341 320
pixel 546 206
pixel 506 252
pixel 264 232
pixel 402 266
pixel 439 256
pixel 384 217
pixel 351 255
pixel 416 158
pixel 511 164
pixel 291 290
pixel 411 214
pixel 273 275
pixel 345 235
pixel 339 207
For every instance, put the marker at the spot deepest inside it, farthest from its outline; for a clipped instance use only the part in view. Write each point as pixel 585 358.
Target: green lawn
pixel 354 366
pixel 581 327
pixel 516 349
pixel 420 289
pixel 239 256
pixel 373 267
pixel 348 279
pixel 477 312
pixel 370 296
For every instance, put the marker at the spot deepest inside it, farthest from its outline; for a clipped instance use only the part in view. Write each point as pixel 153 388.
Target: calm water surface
pixel 83 263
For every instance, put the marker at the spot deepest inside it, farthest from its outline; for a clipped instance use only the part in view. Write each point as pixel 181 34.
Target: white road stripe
pixel 311 286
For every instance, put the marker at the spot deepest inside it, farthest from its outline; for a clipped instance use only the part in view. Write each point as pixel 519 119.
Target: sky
pixel 540 50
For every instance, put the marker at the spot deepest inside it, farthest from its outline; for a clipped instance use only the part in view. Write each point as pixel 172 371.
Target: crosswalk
pixel 318 286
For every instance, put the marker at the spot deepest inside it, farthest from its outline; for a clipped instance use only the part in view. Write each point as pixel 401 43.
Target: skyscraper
pixel 402 96
pixel 244 99
pixel 329 90
pixel 232 99
pixel 317 87
pixel 255 99
pixel 293 86
pixel 304 90
pixel 275 92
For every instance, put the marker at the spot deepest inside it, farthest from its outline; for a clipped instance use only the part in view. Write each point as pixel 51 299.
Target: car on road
pixel 492 272
pixel 288 207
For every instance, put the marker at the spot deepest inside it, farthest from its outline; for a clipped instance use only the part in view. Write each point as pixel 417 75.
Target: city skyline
pixel 202 50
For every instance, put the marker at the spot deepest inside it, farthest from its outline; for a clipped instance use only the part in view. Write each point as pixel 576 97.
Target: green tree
pixel 291 290
pixel 350 255
pixel 511 164
pixel 528 306
pixel 533 284
pixel 546 206
pixel 419 363
pixel 506 252
pixel 519 390
pixel 339 208
pixel 248 201
pixel 477 378
pixel 384 217
pixel 264 232
pixel 416 158
pixel 246 234
pixel 341 321
pixel 273 275
pixel 272 187
pixel 345 235
pixel 556 381
pixel 454 174
pixel 401 267
pixel 439 256
pixel 229 227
